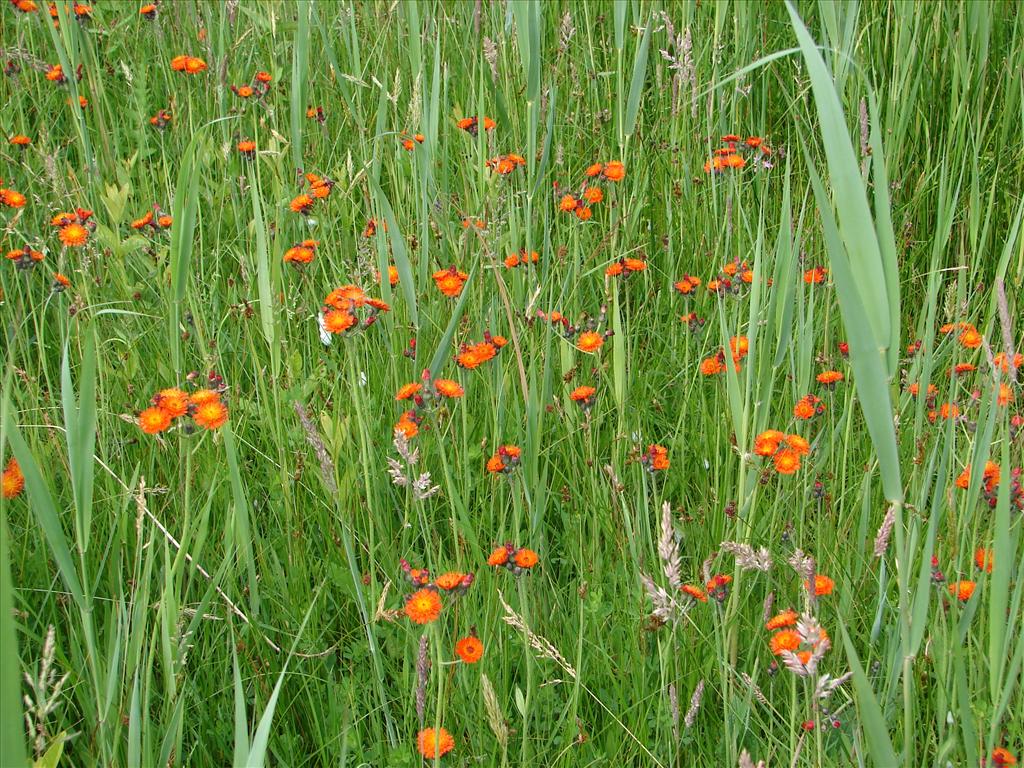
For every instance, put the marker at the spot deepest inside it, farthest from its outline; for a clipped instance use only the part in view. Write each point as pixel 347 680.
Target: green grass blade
pixel 876 732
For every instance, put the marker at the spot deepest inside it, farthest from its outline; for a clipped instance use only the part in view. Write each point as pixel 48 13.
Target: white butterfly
pixel 325 337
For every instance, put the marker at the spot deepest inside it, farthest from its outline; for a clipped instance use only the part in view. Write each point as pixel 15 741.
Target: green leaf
pixel 636 86
pixel 875 731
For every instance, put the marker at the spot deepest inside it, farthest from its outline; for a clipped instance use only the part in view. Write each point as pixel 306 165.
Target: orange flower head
pixel 590 341
pixel 823 585
pixel 614 171
pixel 449 581
pixel 593 195
pixel 798 445
pixel 431 744
pixel 247 147
pixel 594 170
pixel 338 320
pixel 829 378
pixel 408 391
pixel 423 606
pixel 302 204
pixel 469 649
pixel 448 388
pixel 784 640
pixel 740 346
pixel 263 77
pixel 782 620
pixel 74 235
pixel 13 481
pixel 767 443
pixel 211 415
pixel 787 462
pixel 450 281
pixel 970 338
pixel 154 420
pixel 694 592
pixel 1002 756
pixel 712 366
pixel 984 559
pixel 498 557
pixel 20 140
pixel 815 276
pixel 568 203
pixel 962 590
pixel 173 401
pixel 526 558
pixel 583 213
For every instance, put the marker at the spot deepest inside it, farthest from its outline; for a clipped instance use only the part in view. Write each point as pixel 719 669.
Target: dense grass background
pixel 928 101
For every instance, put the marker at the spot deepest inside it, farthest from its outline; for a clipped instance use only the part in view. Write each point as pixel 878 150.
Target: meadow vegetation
pixel 509 382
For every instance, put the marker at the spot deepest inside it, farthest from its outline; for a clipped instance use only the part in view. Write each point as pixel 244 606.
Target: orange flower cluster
pixel 521 259
pixel 318 189
pixel 203 407
pixel 13 481
pixel 687 285
pixel 516 559
pixel 472 356
pixel 504 460
pixel 161 119
pixel 785 450
pixel 731 278
pixel 259 86
pixel 655 459
pixel 503 165
pixel 733 156
pixel 450 281
pixel 610 171
pixel 25 258
pixel 584 334
pixel 301 254
pixel 469 125
pixel 584 397
pixel 807 407
pixel 625 266
pixel 967 335
pixel 74 228
pixel 429 390
pixel 349 309
pixel 155 219
pixel 316 113
pixel 190 65
pixel 739 347
pixel 409 142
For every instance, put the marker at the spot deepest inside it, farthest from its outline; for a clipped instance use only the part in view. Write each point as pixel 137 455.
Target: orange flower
pixel 734 161
pixel 584 396
pixel 450 281
pixel 505 164
pixel 13 481
pixel 712 366
pixel 594 170
pixel 767 443
pixel 448 388
pixel 498 557
pixel 740 346
pixel 568 203
pixel 970 338
pixel 74 235
pixel 55 74
pixel 823 585
pixel 300 254
pixel 469 125
pixel 20 140
pixel 1002 361
pixel 247 147
pixel 590 341
pixel 583 213
pixel 154 420
pixel 593 195
pixel 656 458
pixel 784 640
pixel 190 65
pixel 449 581
pixel 302 204
pixel 211 415
pixel 829 378
pixel 1002 756
pixel 799 446
pixel 526 558
pixel 984 559
pixel 808 407
pixel 962 590
pixel 470 649
pixel 423 606
pixel 173 401
pixel 687 285
pixel 338 320
pixel 431 744
pixel 12 199
pixel 408 390
pixel 263 77
pixel 1005 396
pixel 408 425
pixel 785 619
pixel 614 171
pixel 815 276
pixel 787 461
pixel 203 396
pixel 695 592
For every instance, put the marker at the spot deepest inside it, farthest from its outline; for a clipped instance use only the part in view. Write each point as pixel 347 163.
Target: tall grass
pixel 235 596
